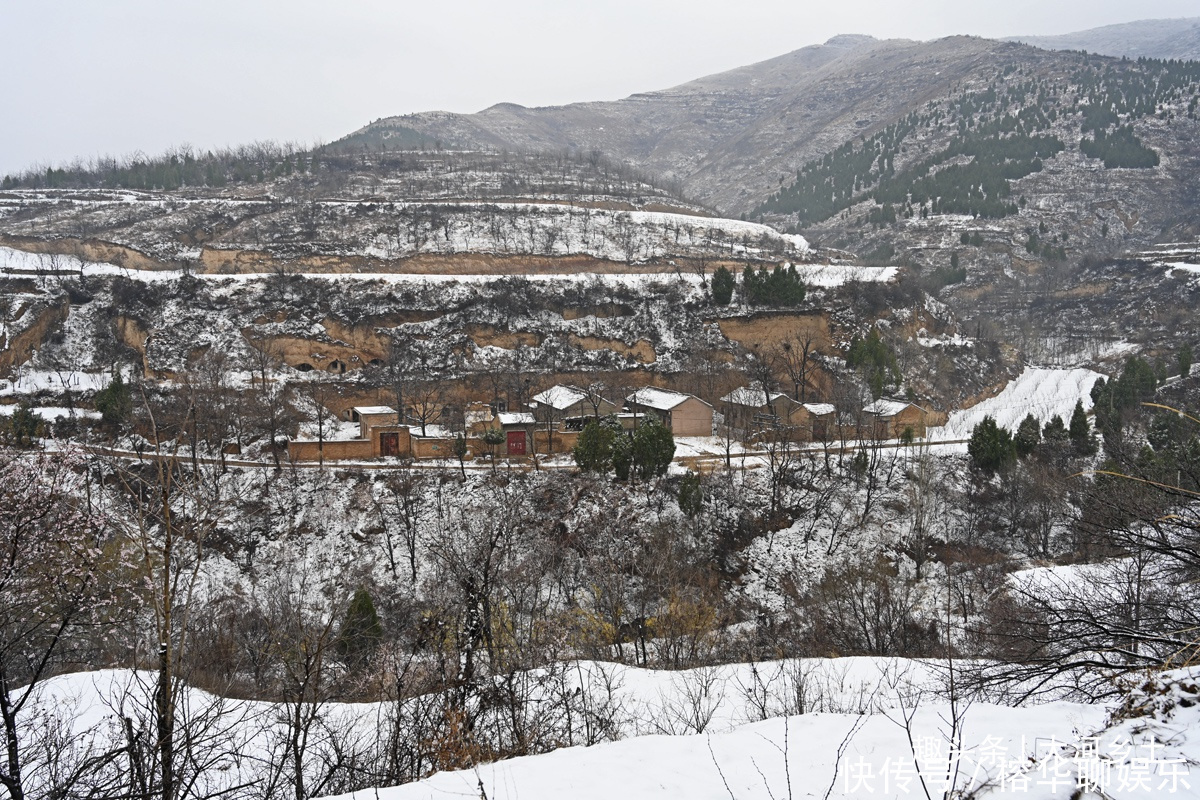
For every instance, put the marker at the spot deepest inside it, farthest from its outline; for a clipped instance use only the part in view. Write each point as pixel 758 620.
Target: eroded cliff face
pixel 31 324
pixel 156 231
pixel 73 249
pixel 479 332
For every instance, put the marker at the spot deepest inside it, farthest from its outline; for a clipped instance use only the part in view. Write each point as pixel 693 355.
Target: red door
pixel 516 443
pixel 389 444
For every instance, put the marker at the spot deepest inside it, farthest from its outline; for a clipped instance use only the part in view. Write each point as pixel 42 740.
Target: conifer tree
pixel 722 286
pixel 1080 431
pixel 1028 436
pixel 991 447
pixel 361 630
pixel 652 450
pixel 593 452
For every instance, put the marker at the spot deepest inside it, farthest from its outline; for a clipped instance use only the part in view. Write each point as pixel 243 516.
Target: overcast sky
pixel 90 77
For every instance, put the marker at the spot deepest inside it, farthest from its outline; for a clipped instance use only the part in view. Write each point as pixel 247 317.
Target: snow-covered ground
pixel 1192 269
pixel 31 381
pixel 398 230
pixel 833 275
pixel 817 755
pixel 19 262
pixel 53 412
pixel 13 261
pixel 878 728
pixel 1039 391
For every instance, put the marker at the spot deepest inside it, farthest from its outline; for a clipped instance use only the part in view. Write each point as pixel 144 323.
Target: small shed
pixel 372 416
pixel 518 432
pixel 477 418
pixel 683 414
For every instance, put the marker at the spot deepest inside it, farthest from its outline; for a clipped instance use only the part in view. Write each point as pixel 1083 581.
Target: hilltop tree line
pixel 175 168
pixel 365 168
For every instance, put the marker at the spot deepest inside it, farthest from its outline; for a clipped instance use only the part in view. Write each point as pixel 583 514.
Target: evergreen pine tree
pixel 361 631
pixel 653 447
pixel 1080 431
pixel 990 447
pixel 622 456
pixel 1055 431
pixel 1028 436
pixel 722 286
pixel 593 451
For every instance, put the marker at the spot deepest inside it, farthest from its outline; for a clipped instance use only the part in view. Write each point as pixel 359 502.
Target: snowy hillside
pixel 378 233
pixel 1038 391
pixel 886 728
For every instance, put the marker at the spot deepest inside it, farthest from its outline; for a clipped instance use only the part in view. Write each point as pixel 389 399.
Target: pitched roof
pixel 659 399
pixel 886 408
pixel 752 396
pixel 515 418
pixel 820 409
pixel 560 397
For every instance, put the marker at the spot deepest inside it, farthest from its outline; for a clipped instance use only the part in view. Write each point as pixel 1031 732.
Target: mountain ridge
pixel 698 132
pixel 1177 38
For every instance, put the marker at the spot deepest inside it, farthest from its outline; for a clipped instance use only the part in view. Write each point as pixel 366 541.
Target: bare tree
pixel 172 510
pixel 52 592
pixel 795 355
pixel 301 642
pixel 321 394
pixel 427 402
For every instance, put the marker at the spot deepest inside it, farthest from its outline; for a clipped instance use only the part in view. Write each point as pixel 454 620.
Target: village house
pixel 892 419
pixel 561 412
pixel 816 420
pixel 380 435
pixel 570 405
pixel 750 408
pixel 517 427
pixel 683 414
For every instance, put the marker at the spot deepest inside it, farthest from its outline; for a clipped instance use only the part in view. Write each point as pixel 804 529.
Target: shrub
pixel 361 630
pixel 25 425
pixel 653 447
pixel 594 450
pixel 691 494
pixel 115 402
